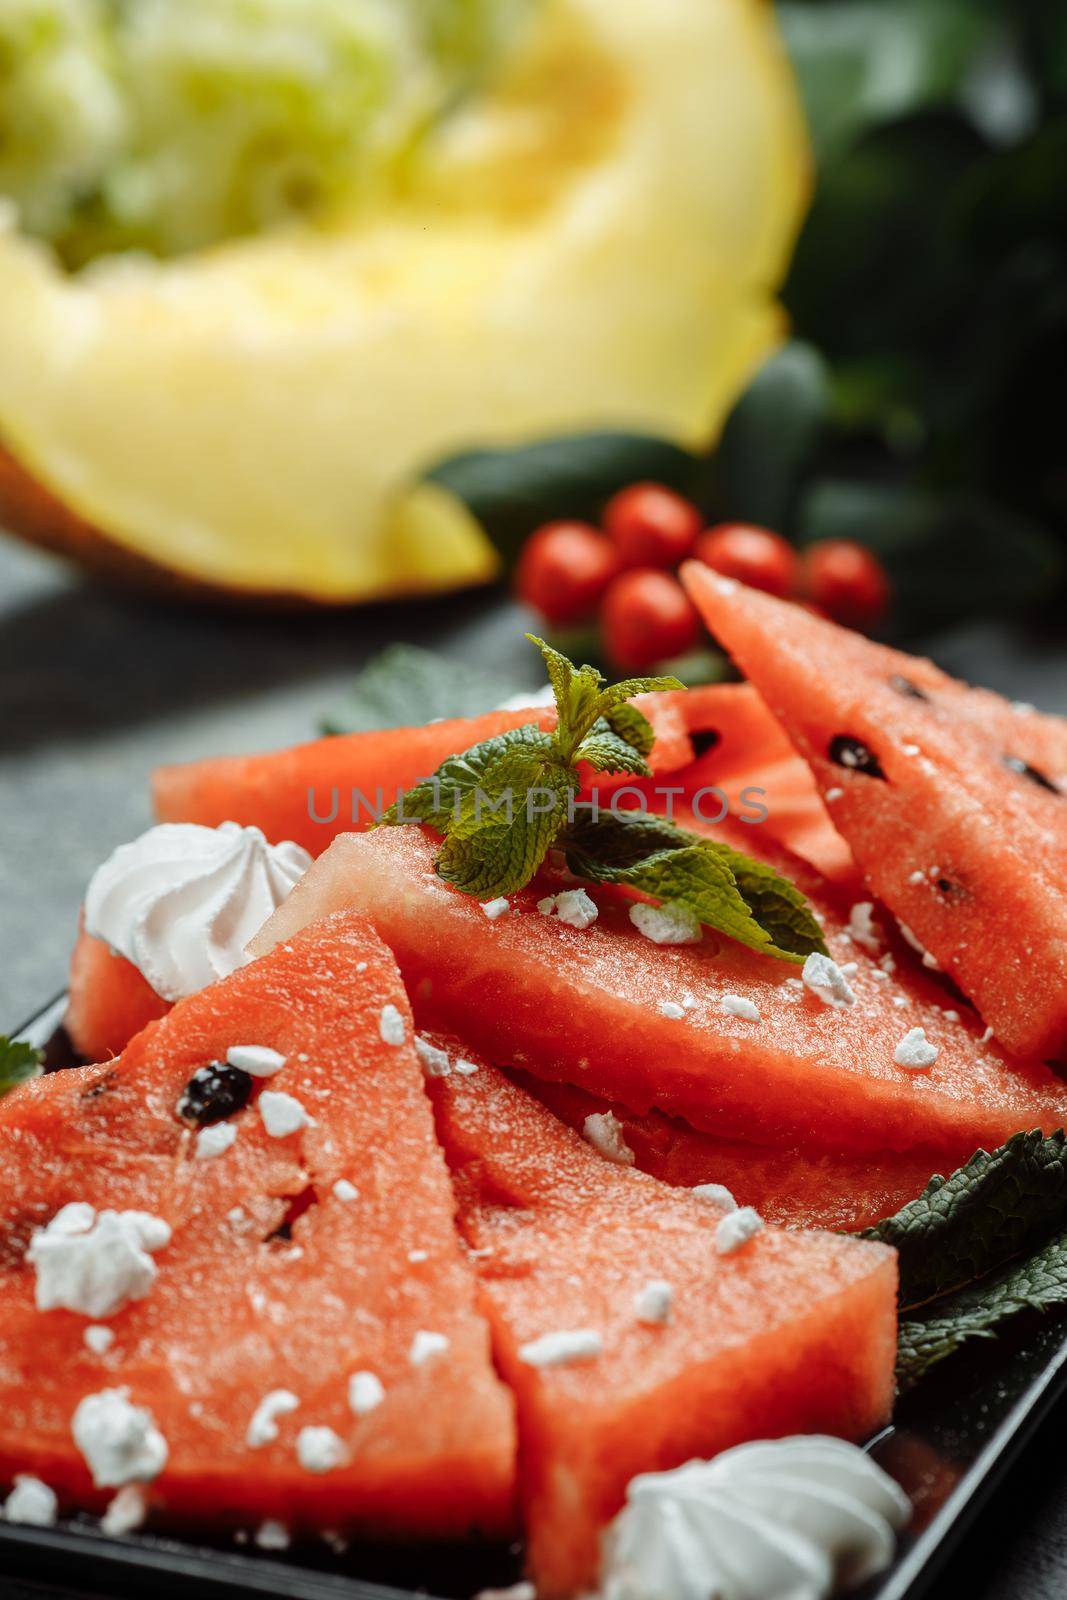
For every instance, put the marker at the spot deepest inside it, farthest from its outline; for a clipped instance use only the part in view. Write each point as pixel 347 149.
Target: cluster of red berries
pixel 623 572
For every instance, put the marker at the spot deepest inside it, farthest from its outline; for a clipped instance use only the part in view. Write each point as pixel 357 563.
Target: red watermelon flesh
pixel 312 792
pixel 109 1001
pixel 961 826
pixel 792 1188
pixel 238 1310
pixel 794 1332
pixel 583 1005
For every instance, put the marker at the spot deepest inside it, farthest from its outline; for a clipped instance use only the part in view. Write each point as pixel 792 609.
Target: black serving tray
pixel 954 1439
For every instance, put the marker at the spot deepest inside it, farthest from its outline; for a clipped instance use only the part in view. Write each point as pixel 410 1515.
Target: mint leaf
pixel 744 899
pixel 1035 1284
pixel 978 1247
pixel 608 751
pixel 994 1207
pixel 502 804
pixel 406 686
pixel 18 1063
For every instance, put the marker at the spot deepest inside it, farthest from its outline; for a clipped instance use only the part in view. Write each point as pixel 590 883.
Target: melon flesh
pixel 582 1005
pixel 306 792
pixel 238 1311
pixel 791 1333
pixel 794 1188
pixel 108 1000
pixel 970 853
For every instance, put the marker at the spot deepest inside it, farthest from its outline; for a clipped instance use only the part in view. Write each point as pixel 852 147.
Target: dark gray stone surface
pixel 97 687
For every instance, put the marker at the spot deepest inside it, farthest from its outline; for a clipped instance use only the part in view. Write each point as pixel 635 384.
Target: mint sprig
pixel 503 804
pixel 978 1247
pixel 18 1063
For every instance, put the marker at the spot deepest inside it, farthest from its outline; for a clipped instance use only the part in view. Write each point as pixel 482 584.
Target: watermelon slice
pixel 312 792
pixel 791 1332
pixel 108 1002
pixel 792 1188
pixel 953 801
pixel 650 1025
pixel 295 1262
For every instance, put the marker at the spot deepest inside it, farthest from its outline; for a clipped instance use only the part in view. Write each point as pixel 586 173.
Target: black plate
pixel 953 1440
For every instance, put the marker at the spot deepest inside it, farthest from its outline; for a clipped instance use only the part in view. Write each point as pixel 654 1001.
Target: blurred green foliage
pixel 931 278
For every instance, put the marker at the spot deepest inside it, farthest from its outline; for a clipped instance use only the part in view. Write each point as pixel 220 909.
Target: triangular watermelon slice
pixel 296 1261
pixel 631 1343
pixel 651 1025
pixel 792 1187
pixel 954 801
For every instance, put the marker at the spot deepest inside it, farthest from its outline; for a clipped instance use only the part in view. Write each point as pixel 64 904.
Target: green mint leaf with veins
pixel 1037 1283
pixel 744 899
pixel 993 1208
pixel 18 1063
pixel 502 804
pixel 978 1247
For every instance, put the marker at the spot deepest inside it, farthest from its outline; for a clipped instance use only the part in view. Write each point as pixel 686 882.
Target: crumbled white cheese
pixel 98 1339
pixel 862 927
pixel 653 1302
pixel 916 877
pixel 927 959
pixel 735 1005
pixel 670 923
pixel 716 1194
pixel 120 1442
pixel 271 1535
pixel 951 1015
pixel 724 586
pixel 496 908
pixel 910 749
pixel 736 1229
pixel 833 794
pixel 366 1391
pixel 345 1191
pixel 562 1348
pixel 258 1060
pixel 391 1026
pixel 915 1051
pixel 603 1130
pixel 126 1512
pixel 426 1345
pixel 95 1262
pixel 436 1062
pixel 263 1428
pixel 572 906
pixel 671 1009
pixel 32 1503
pixel 416 1257
pixel 826 979
pixel 986 1037
pixel 466 1069
pixel 282 1113
pixel 214 1141
pixel 320 1449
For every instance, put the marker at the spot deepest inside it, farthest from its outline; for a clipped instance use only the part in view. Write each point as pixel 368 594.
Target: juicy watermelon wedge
pixel 792 1188
pixel 312 792
pixel 793 1332
pixel 272 1279
pixel 953 801
pixel 584 1005
pixel 108 1000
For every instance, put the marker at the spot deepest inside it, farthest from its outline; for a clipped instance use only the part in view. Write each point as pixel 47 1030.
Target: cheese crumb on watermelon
pixel 953 800
pixel 282 1278
pixel 631 1342
pixel 603 1007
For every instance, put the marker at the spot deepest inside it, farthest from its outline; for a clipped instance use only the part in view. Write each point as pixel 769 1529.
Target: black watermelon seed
pixel 705 739
pixel 905 686
pixel 854 754
pixel 214 1093
pixel 1025 770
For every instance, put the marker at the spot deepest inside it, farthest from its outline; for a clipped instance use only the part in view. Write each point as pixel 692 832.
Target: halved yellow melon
pixel 595 241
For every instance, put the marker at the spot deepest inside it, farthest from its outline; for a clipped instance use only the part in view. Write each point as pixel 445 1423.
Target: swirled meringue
pixel 182 901
pixel 783 1518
